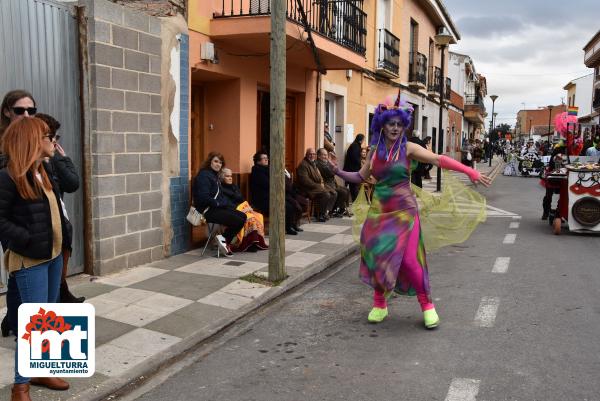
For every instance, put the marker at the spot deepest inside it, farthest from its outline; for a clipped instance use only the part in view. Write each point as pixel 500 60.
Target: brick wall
pixel 124 67
pixel 179 186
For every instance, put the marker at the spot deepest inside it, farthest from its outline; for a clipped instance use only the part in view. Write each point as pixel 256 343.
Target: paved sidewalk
pixel 152 313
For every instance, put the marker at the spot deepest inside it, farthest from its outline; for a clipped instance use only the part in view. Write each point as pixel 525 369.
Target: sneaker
pixel 431 319
pixel 377 315
pixel 223 246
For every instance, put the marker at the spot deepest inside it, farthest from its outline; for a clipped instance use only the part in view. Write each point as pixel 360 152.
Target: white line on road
pixel 509 238
pixel 501 265
pixel 514 224
pixel 516 217
pixel 486 314
pixel 463 390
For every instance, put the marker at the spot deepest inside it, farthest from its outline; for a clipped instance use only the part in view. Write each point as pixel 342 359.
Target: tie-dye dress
pixel 391 218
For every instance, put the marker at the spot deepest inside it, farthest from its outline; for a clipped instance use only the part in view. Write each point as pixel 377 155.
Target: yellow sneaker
pixel 431 319
pixel 377 315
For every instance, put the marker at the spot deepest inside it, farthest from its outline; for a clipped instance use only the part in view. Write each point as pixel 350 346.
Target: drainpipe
pixel 318 111
pixel 86 176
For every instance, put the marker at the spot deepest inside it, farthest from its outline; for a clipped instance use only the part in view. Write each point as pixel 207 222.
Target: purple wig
pixel 383 113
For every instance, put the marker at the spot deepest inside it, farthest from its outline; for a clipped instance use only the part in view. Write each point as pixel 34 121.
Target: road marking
pixel 509 239
pixel 463 390
pixel 501 265
pixel 516 217
pixel 514 224
pixel 486 314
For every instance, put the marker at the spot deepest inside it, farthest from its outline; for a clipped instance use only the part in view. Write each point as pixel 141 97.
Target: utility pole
pixel 277 143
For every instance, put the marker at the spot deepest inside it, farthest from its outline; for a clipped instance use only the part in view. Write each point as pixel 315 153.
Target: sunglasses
pixel 21 110
pixel 52 138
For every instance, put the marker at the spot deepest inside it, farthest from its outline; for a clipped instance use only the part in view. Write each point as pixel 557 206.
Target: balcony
pixel 448 89
pixel 389 54
pixel 474 110
pixel 417 71
pixel 435 79
pixel 596 101
pixel 339 30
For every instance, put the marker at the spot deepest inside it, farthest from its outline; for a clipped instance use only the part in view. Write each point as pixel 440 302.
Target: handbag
pixel 195 217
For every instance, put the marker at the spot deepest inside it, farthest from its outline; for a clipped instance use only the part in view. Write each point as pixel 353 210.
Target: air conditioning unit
pixel 207 51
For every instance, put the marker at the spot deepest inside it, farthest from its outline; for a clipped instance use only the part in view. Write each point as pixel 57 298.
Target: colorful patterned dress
pixel 384 238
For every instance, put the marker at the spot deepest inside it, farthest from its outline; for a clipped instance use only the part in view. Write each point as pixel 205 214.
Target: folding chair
pixel 213 230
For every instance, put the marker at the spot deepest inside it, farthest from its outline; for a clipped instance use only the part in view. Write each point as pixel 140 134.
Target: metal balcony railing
pixel 435 79
pixel 342 21
pixel 389 52
pixel 596 101
pixel 474 100
pixel 417 71
pixel 448 88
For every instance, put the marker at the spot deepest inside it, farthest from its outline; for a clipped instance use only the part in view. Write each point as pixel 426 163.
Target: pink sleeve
pixel 451 164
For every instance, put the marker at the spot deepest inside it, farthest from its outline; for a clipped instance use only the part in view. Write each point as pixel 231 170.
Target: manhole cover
pixel 233 263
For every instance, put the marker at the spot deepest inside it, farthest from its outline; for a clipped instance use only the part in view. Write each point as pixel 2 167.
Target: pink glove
pixel 352 177
pixel 451 164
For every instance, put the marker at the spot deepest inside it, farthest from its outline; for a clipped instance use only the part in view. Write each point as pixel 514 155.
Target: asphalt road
pixel 529 333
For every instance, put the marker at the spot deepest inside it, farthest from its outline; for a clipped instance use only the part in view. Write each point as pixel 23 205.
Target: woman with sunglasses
pixel 16 103
pixel 32 225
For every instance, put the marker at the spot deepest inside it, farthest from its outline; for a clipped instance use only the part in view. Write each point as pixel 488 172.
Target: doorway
pixel 198 234
pixel 263 128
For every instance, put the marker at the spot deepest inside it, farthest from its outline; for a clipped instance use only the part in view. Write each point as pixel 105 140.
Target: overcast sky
pixel 528 50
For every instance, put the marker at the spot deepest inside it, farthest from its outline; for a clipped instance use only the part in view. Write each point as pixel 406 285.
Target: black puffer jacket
pixel 204 189
pixel 64 173
pixel 26 225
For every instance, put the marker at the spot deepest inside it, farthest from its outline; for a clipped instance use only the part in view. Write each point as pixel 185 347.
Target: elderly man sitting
pixel 343 194
pixel 310 182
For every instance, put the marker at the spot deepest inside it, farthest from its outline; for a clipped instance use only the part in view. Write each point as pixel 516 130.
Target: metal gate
pixel 39 52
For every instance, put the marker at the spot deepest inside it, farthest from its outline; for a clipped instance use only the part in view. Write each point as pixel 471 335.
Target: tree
pixel 503 128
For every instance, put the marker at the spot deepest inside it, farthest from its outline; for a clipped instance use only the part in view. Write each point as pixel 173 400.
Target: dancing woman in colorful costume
pixel 392 246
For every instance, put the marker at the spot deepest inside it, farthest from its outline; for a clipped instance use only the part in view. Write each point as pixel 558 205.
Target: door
pixel 263 122
pixel 197 155
pixel 39 52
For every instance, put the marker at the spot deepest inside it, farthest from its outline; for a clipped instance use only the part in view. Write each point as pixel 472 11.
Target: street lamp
pixel 442 39
pixel 493 97
pixel 549 121
pixel 530 128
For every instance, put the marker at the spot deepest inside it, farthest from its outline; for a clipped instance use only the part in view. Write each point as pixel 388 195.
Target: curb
pixel 108 388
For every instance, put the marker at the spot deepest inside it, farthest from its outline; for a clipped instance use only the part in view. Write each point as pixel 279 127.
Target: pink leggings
pixel 412 270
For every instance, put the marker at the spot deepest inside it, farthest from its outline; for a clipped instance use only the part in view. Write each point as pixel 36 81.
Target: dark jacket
pixel 259 188
pixel 26 225
pixel 352 161
pixel 233 195
pixel 327 174
pixel 64 173
pixel 205 187
pixel 309 181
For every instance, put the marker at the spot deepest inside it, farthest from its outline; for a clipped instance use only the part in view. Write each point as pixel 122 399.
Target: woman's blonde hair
pixel 22 144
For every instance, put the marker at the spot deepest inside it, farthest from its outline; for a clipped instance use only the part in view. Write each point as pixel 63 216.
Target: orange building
pixel 229 61
pixel 538 121
pixel 401 55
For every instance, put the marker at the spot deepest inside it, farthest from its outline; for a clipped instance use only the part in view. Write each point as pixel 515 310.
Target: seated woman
pixel 211 201
pixel 252 236
pixel 259 194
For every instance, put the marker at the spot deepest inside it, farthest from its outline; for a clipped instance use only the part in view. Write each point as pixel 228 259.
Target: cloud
pixel 489 26
pixel 528 50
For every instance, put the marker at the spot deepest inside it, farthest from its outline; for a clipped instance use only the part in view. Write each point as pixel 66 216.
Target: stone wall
pixel 157 8
pixel 124 48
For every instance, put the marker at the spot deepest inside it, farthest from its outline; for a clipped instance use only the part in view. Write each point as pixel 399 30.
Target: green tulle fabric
pixel 446 218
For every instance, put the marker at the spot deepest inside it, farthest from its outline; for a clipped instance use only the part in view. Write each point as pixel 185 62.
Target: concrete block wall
pixel 124 49
pixel 179 186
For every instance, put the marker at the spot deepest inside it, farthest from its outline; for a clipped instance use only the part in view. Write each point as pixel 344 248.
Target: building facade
pixel 579 94
pixel 537 122
pixel 401 57
pixel 591 59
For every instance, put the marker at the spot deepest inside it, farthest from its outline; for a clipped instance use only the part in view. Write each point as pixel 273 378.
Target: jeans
pixel 41 284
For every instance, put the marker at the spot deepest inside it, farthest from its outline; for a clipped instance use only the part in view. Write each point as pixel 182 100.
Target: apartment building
pixel 579 94
pixel 591 59
pixel 401 56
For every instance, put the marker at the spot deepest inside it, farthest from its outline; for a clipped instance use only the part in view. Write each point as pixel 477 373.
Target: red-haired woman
pixel 32 225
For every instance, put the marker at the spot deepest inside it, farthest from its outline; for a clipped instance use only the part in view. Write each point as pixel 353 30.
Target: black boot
pixel 5 327
pixel 65 295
